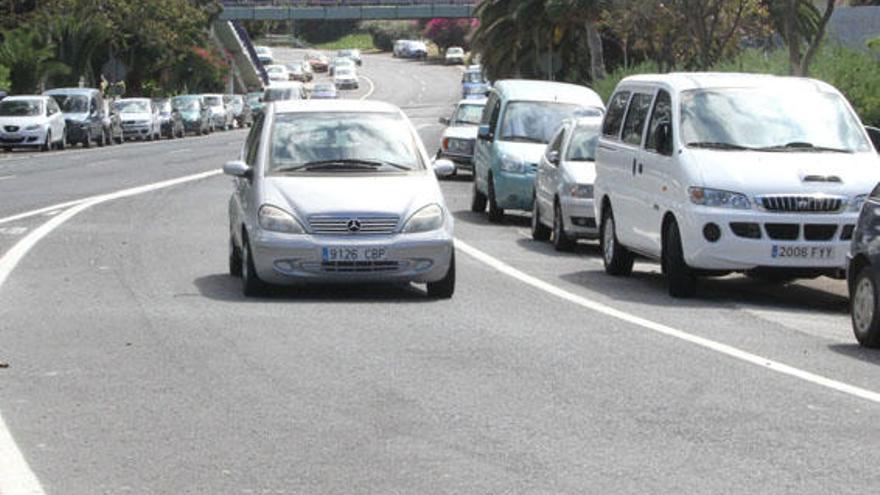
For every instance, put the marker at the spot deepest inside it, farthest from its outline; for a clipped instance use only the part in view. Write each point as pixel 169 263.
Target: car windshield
pixel 325 88
pixel 253 99
pixel 582 147
pixel 535 121
pixel 164 106
pixel 768 119
pixel 455 51
pixel 280 94
pixel 186 104
pixel 472 77
pixel 213 101
pixel 129 106
pixel 344 71
pixel 342 141
pixel 72 103
pixel 20 108
pixel 468 115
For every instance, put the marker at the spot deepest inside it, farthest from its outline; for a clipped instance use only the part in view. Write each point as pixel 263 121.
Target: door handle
pixel 634 166
pixel 640 168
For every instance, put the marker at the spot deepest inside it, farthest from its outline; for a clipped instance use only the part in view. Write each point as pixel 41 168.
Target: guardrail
pixel 345 9
pixel 343 3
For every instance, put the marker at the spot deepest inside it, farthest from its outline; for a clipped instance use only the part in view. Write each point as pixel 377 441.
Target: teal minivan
pixel 518 122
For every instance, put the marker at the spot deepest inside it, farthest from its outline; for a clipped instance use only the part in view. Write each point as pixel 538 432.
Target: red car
pixel 319 62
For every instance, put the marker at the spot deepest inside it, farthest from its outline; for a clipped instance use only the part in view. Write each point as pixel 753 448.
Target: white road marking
pixel 12 230
pixel 709 344
pixel 7 177
pixel 372 87
pixel 185 150
pixel 16 477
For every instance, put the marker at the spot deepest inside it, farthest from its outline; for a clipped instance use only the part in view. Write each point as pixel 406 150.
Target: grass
pixel 361 41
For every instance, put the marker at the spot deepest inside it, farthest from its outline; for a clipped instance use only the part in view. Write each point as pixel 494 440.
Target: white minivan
pixel 719 173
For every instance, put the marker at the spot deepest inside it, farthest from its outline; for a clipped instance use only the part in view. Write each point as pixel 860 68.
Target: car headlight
pixel 856 203
pixel 35 127
pixel 425 220
pixel 584 191
pixel 277 220
pixel 718 199
pixel 513 164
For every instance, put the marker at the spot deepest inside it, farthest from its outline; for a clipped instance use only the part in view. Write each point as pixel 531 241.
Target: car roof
pixel 684 81
pixel 345 105
pixel 26 97
pixel 284 85
pixel 473 101
pixel 531 90
pixel 133 99
pixel 71 91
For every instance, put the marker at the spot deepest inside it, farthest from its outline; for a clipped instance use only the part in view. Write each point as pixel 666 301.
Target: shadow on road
pixel 586 249
pixel 470 217
pixel 855 351
pixel 222 287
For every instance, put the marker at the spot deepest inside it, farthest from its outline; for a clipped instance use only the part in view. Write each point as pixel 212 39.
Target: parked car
pixel 323 91
pixel 221 117
pixel 473 84
pixel 719 173
pixel 3 94
pixel 264 55
pixel 298 214
pixel 863 277
pixel 283 92
pixel 277 73
pixel 353 54
pixel 296 72
pixel 113 123
pixel 519 120
pixel 563 208
pixel 195 116
pixel 170 120
pixel 454 55
pixel 254 100
pixel 346 78
pixel 318 61
pixel 140 118
pixel 83 110
pixel 460 135
pixel 400 48
pixel 874 134
pixel 241 112
pixel 342 62
pixel 31 122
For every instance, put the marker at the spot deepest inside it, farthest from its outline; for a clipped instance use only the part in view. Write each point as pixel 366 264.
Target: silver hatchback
pixel 338 191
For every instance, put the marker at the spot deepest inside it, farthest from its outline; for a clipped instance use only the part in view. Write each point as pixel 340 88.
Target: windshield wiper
pixel 342 164
pixel 716 145
pixel 525 139
pixel 803 146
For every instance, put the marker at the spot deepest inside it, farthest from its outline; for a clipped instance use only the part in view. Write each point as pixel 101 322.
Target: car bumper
pixel 347 85
pixel 192 125
pixel 23 138
pixel 292 259
pixel 130 131
pixel 514 191
pixel 76 133
pixel 579 217
pixel 461 161
pixel 735 252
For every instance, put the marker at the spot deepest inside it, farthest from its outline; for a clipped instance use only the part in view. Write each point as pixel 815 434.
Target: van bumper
pixel 514 191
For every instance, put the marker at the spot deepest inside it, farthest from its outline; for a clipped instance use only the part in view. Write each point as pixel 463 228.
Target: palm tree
pixel 77 39
pixel 583 14
pixel 30 60
pixel 802 25
pixel 512 36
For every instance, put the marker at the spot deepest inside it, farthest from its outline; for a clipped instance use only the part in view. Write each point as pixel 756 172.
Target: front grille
pixel 353 225
pixel 787 203
pixel 359 266
pixel 11 128
pixel 819 232
pixel 782 231
pixel 10 140
pixel 746 229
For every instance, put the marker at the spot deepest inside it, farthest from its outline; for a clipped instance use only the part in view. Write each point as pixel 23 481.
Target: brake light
pixel 445 143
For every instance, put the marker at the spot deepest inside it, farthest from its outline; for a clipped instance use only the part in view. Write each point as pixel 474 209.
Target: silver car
pixel 338 191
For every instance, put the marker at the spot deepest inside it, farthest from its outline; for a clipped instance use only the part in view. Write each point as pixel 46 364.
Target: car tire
pixel 863 308
pixel 120 139
pixel 478 200
pixel 235 265
pixel 87 141
pixel 48 144
pixel 496 214
pixel 62 144
pixel 251 285
pixel 681 280
pixel 561 241
pixel 445 287
pixel 618 260
pixel 102 139
pixel 540 232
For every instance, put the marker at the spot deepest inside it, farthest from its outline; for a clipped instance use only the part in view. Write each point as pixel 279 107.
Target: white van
pixel 719 173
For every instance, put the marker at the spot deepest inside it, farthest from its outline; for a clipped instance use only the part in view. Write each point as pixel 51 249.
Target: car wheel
pixel 618 260
pixel 62 144
pixel 7 149
pixel 235 265
pixel 102 139
pixel 478 200
pixel 540 232
pixel 561 241
pixel 87 141
pixel 251 285
pixel 496 214
pixel 681 279
pixel 120 139
pixel 863 308
pixel 445 287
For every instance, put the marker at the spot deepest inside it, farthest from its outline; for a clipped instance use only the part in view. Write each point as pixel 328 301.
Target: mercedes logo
pixel 354 226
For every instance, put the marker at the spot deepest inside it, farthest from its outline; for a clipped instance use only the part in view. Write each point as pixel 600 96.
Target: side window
pixel 556 142
pixel 614 117
pixel 93 105
pixel 493 118
pixel 252 144
pixel 487 111
pixel 662 114
pixel 635 118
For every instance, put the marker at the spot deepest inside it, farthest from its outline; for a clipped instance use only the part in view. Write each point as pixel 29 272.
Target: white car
pixel 282 91
pixel 277 73
pixel 460 135
pixel 718 173
pixel 346 78
pixel 563 207
pixel 264 55
pixel 140 118
pixel 338 191
pixel 31 122
pixel 221 115
pixel 455 55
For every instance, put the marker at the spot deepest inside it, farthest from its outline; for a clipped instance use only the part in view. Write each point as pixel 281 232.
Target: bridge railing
pixel 342 3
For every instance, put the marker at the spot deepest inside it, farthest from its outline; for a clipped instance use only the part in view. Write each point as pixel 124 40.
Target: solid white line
pixel 16 477
pixel 185 150
pixel 372 87
pixel 712 345
pixel 33 213
pixel 7 177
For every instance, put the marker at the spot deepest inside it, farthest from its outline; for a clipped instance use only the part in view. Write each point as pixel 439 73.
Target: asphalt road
pixel 135 365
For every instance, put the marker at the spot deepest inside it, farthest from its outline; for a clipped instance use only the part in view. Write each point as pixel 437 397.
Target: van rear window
pixel 614 117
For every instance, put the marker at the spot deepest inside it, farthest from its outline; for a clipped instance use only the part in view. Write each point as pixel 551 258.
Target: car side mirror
pixel 485 133
pixel 663 139
pixel 553 157
pixel 443 167
pixel 874 134
pixel 444 120
pixel 238 168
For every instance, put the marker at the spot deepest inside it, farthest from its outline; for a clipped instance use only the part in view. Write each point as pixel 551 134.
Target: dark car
pixel 113 123
pixel 241 111
pixel 353 54
pixel 83 110
pixel 863 273
pixel 254 101
pixel 3 94
pixel 170 120
pixel 874 134
pixel 195 116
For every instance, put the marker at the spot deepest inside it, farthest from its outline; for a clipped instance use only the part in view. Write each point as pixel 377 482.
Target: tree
pixel 576 14
pixel 30 60
pixel 512 36
pixel 716 27
pixel 802 25
pixel 77 39
pixel 448 32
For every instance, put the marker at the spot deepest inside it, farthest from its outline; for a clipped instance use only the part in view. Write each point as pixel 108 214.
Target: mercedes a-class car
pixel 338 191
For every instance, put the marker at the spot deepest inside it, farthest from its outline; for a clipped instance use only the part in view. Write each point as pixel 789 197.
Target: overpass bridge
pixel 345 9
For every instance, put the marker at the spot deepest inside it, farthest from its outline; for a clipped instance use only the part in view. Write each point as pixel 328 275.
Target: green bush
pixel 384 33
pixel 4 78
